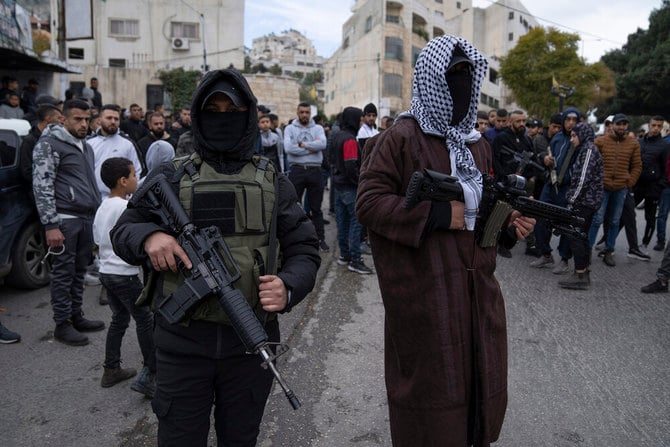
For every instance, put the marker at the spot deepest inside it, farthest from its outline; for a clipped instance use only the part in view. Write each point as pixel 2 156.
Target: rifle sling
pixel 566 162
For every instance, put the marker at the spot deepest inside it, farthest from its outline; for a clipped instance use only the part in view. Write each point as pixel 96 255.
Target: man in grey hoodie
pixel 67 197
pixel 304 142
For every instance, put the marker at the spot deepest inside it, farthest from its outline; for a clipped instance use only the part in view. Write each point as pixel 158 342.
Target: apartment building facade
pixel 128 41
pixel 382 40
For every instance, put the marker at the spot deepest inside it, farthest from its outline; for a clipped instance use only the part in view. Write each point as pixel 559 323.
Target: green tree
pixel 642 68
pixel 180 85
pixel 275 70
pixel 546 55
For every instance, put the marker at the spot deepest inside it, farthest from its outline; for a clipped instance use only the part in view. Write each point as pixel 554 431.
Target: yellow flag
pixel 554 82
pixel 312 93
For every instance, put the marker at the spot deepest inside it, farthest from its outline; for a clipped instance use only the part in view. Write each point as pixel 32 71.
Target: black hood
pixel 242 152
pixel 351 119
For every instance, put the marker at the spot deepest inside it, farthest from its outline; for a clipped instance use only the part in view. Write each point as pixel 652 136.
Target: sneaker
pixel 323 246
pixel 602 252
pixel 660 246
pixel 543 262
pixel 145 383
pixel 576 281
pixel 636 253
pixel 112 376
pixel 608 258
pixel 91 280
pixel 561 268
pixel 83 325
pixel 504 252
pixel 7 336
pixel 359 266
pixel 343 260
pixel 657 286
pixel 365 248
pixel 67 334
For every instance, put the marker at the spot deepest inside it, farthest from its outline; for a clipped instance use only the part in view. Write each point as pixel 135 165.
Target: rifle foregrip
pixel 242 318
pixel 537 209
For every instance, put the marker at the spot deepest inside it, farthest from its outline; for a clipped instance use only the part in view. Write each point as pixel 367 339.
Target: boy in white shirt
pixel 122 282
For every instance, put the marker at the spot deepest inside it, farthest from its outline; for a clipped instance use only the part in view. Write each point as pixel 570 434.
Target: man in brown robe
pixel 445 328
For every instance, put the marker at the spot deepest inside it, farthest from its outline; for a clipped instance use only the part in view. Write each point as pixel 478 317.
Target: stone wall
pixel 280 94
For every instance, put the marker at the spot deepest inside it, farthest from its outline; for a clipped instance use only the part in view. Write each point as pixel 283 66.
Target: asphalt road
pixel 586 368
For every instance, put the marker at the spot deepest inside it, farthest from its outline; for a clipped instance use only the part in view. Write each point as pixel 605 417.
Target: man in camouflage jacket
pixel 67 196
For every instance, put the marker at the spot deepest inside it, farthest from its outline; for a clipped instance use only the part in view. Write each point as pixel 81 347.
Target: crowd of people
pixel 84 159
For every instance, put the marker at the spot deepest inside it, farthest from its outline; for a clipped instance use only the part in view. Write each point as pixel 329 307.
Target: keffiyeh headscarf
pixel 433 107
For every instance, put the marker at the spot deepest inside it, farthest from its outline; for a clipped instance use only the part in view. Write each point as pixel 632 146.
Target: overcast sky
pixel 603 25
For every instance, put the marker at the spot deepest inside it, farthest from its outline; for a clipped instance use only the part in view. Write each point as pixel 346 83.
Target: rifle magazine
pixel 494 223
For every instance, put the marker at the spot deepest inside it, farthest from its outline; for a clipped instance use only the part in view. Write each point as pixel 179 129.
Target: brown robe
pixel 445 328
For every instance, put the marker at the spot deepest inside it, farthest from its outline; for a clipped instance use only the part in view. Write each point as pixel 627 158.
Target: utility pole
pixel 562 92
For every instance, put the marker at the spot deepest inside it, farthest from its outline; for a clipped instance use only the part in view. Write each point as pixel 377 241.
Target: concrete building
pixel 128 41
pixel 290 50
pixel 382 40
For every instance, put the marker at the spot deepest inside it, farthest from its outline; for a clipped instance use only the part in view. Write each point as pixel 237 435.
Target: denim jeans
pixel 543 231
pixel 122 292
pixel 663 210
pixel 348 228
pixel 613 216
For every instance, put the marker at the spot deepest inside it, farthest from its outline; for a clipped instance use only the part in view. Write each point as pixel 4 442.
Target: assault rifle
pixel 213 274
pixel 498 200
pixel 526 165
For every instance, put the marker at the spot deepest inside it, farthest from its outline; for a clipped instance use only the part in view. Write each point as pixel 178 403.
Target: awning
pixel 17 60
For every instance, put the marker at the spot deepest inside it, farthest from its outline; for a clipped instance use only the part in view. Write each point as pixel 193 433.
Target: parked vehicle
pixel 22 240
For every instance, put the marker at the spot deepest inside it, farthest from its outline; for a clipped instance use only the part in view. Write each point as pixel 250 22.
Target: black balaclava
pixel 460 86
pixel 223 134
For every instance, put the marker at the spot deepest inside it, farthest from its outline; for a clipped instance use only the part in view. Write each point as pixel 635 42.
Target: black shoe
pixel 504 252
pixel 67 334
pixel 655 287
pixel 533 251
pixel 608 258
pixel 638 254
pixel 7 336
pixel 112 376
pixel 660 246
pixel 83 325
pixel 577 281
pixel 323 246
pixel 359 266
pixel 145 383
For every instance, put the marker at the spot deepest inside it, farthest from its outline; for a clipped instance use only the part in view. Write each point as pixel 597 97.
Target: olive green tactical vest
pixel 241 205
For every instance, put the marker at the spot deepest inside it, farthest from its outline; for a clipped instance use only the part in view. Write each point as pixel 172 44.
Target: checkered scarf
pixel 432 107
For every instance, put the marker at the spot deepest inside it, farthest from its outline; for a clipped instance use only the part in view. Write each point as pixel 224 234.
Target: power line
pixel 586 33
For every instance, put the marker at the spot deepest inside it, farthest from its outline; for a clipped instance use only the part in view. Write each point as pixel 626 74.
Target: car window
pixel 8 154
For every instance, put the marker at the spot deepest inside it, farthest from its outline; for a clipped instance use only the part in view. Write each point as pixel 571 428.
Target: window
pixel 75 53
pixel 117 63
pixel 510 37
pixel 439 1
pixel 392 18
pixel 393 49
pixel 458 5
pixel 368 24
pixel 511 15
pixel 188 30
pixel 392 85
pixel 345 44
pixel 124 28
pixel 415 55
pixel 493 76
